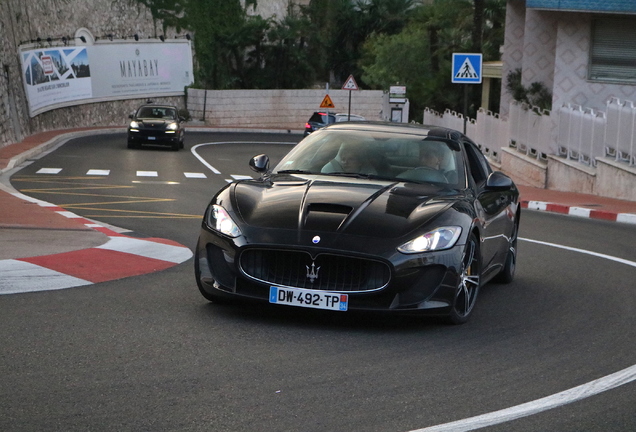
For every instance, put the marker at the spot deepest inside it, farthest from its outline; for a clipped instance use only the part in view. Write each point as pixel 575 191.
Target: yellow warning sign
pixel 327 103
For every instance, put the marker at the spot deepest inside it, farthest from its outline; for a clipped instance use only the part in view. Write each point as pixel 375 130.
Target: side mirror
pixel 499 181
pixel 260 163
pixel 131 116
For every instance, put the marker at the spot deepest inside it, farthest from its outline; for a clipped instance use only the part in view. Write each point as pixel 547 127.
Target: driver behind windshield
pixel 351 158
pixel 430 161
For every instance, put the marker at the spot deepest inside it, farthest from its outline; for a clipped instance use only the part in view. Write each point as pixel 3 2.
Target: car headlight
pixel 134 125
pixel 220 220
pixel 171 126
pixel 438 239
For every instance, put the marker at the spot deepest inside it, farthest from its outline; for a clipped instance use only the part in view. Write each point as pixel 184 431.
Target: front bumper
pixel 423 283
pixel 142 136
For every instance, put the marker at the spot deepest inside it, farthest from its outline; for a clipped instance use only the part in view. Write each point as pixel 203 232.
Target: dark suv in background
pixel 157 125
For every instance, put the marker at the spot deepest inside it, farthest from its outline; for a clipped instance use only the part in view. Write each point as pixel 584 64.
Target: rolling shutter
pixel 613 51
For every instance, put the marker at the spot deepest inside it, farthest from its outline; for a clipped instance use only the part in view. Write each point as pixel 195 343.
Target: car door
pixel 491 207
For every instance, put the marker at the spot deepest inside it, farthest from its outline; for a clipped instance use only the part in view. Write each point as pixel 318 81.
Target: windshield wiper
pixel 294 171
pixel 361 175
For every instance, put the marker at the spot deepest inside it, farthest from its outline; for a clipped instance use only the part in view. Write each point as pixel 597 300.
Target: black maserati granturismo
pixel 364 216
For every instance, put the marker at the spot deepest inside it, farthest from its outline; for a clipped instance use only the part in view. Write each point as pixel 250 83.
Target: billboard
pixel 64 76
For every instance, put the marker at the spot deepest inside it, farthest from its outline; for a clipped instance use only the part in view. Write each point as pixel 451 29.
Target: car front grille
pixel 326 272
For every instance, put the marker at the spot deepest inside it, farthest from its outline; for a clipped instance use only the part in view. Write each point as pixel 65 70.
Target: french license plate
pixel 309 298
pixel 151 138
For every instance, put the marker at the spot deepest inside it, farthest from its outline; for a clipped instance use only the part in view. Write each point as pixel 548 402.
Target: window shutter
pixel 613 51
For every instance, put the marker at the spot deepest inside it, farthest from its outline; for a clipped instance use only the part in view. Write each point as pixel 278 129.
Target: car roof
pixel 401 128
pixel 157 106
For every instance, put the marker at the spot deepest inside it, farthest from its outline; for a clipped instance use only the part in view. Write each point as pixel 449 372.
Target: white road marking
pixel 98 172
pixel 549 402
pixel 241 177
pixel 147 173
pixel 49 171
pixel 20 277
pixel 203 161
pixel 216 171
pixel 626 218
pixel 556 400
pixel 68 214
pixel 148 249
pixel 579 211
pixel 195 175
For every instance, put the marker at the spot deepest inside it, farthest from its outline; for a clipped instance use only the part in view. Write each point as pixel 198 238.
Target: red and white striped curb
pixel 121 256
pixel 579 211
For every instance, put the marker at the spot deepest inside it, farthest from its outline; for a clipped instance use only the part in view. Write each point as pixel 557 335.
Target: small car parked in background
pixel 343 117
pixel 156 125
pixel 321 119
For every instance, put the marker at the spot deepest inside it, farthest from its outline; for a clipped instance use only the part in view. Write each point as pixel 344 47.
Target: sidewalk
pixel 43 247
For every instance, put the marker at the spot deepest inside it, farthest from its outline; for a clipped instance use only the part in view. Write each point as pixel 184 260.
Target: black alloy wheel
pixel 507 273
pixel 469 283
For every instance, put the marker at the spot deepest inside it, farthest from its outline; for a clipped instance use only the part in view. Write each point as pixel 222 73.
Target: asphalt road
pixel 149 353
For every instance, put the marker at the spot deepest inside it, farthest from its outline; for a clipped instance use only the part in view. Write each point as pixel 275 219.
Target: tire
pixel 468 284
pixel 175 146
pixel 507 273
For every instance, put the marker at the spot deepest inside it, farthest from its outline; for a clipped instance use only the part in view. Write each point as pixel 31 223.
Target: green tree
pixel 420 57
pixel 288 63
pixel 339 29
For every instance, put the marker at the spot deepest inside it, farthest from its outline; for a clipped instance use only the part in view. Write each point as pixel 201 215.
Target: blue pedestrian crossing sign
pixel 466 68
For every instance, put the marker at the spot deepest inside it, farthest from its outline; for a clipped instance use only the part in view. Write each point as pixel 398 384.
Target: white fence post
pixel 612 126
pixel 625 132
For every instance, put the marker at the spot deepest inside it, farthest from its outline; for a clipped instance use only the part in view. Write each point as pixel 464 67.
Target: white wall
pixel 278 109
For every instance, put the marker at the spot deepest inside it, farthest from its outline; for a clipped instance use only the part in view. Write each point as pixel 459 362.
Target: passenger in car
pixel 351 158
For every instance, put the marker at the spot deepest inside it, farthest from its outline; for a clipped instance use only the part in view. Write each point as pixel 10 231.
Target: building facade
pixel 582 50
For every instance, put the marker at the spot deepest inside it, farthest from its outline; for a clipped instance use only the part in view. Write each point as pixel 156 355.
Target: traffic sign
pixel 350 84
pixel 327 103
pixel 467 68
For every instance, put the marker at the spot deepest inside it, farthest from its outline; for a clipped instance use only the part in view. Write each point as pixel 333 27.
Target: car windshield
pixel 157 112
pixel 372 154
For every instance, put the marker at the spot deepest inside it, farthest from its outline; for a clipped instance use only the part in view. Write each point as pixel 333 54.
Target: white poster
pixel 55 76
pixel 65 76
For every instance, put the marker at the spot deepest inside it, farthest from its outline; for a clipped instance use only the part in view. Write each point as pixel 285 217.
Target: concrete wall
pixel 278 109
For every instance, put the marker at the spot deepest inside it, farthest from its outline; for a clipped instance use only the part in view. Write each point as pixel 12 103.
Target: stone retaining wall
pixel 23 21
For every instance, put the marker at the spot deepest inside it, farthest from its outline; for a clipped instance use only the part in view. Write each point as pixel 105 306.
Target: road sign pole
pixel 350 85
pixel 465 106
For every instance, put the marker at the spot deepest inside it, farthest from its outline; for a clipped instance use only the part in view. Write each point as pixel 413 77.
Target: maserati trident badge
pixel 312 274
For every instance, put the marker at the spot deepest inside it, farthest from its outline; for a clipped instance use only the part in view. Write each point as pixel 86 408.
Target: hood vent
pixel 325 217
